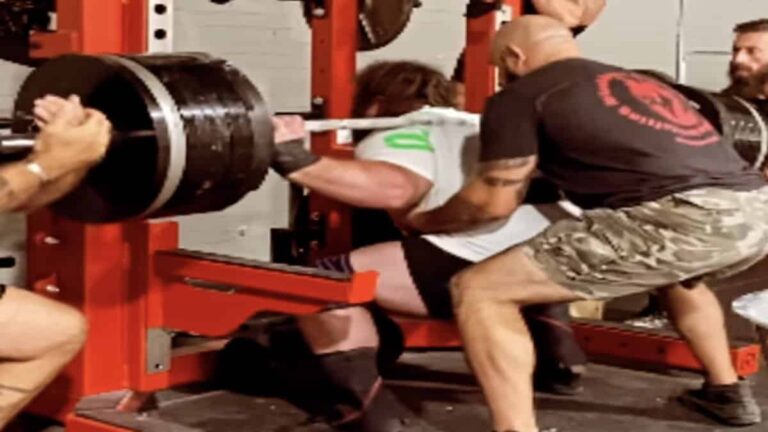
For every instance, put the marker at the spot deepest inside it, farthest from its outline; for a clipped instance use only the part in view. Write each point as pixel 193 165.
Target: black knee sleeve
pixel 354 373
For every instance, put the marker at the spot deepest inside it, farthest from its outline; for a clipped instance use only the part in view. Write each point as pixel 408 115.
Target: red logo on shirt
pixel 650 103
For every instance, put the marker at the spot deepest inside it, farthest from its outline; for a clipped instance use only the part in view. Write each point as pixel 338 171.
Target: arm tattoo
pixel 466 212
pixel 462 212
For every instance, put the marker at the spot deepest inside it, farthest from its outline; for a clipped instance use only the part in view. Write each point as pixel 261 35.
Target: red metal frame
pixel 124 277
pixel 129 278
pixel 334 59
pixel 480 75
pixel 610 343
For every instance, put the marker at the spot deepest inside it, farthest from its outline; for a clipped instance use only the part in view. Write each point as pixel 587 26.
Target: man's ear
pixel 515 57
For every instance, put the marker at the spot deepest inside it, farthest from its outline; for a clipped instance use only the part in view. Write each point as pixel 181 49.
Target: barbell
pixel 191 133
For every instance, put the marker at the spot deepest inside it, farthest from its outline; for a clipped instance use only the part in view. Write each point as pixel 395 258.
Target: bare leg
pixel 348 329
pixel 697 315
pixel 39 337
pixel 487 298
pixel 346 342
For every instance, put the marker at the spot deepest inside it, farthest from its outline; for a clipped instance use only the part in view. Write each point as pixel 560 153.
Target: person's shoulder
pixel 572 71
pixel 514 93
pixel 582 64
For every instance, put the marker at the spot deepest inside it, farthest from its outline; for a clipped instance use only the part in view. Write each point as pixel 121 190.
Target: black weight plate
pixel 379 23
pixel 127 181
pixel 229 132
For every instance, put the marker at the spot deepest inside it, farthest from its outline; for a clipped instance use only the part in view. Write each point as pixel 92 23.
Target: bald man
pixel 667 204
pixel 576 14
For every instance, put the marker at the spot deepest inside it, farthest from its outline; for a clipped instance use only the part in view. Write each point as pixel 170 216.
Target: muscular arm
pixel 22 190
pixel 361 183
pixel 54 190
pixel 572 13
pixel 17 186
pixel 493 194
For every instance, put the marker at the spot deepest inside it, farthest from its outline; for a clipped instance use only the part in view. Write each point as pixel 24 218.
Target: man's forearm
pixel 495 194
pixel 358 183
pixel 17 185
pixel 54 190
pixel 456 215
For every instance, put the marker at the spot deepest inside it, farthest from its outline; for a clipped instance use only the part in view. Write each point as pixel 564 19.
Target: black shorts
pixel 431 269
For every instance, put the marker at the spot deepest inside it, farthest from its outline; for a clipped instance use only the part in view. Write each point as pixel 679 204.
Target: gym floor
pixel 439 387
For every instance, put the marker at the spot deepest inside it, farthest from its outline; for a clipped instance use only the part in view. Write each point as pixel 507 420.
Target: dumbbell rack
pixel 134 285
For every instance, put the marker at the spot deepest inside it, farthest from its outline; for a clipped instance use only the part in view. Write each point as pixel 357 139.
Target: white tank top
pixel 447 155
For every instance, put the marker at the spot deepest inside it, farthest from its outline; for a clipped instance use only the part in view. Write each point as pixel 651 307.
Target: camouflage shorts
pixel 704 233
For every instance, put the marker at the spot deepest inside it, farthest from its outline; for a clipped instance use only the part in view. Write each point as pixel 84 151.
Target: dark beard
pixel 739 88
pixel 749 87
pixel 737 80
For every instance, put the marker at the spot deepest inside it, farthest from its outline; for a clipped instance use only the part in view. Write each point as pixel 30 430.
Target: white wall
pixel 12 234
pixel 435 35
pixel 635 34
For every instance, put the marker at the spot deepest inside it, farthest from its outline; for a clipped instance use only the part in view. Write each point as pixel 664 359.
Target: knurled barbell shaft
pixel 16 143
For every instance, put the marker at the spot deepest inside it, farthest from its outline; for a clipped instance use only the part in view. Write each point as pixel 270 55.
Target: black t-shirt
pixel 608 137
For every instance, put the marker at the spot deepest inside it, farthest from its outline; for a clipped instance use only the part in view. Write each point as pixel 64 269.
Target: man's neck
pixel 543 58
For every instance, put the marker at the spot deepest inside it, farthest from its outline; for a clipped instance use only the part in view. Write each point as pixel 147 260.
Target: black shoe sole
pixel 692 404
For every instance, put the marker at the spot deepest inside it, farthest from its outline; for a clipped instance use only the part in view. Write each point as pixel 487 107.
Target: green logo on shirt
pixel 410 140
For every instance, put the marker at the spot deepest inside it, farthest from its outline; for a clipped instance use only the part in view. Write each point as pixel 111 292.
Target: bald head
pixel 530 42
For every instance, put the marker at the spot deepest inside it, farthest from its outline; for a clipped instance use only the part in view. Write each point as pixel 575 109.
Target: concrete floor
pixel 438 386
